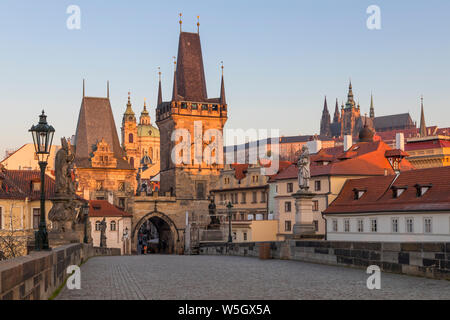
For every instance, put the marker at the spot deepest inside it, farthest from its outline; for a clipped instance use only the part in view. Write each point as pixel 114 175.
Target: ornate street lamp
pixel 85 209
pixel 229 206
pixel 42 138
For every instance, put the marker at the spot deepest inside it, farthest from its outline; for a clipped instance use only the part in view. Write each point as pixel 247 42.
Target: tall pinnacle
pixel 423 127
pixel 350 92
pixel 175 86
pixel 222 90
pixel 159 89
pixel 337 115
pixel 372 110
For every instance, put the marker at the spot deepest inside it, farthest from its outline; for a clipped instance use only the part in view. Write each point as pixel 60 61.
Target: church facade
pixel 349 121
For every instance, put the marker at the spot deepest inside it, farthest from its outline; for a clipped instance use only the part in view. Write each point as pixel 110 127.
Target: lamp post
pixel 42 138
pixel 85 209
pixel 229 206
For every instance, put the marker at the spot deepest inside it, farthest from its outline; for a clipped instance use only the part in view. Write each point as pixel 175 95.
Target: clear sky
pixel 281 58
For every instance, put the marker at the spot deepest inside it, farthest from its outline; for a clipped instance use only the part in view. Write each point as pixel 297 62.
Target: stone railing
pixel 427 259
pixel 37 275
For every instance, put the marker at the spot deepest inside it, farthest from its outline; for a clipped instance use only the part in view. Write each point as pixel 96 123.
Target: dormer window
pixel 358 193
pixel 397 191
pixel 422 189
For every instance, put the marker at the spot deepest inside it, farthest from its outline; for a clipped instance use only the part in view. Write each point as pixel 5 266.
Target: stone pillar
pixel 304 224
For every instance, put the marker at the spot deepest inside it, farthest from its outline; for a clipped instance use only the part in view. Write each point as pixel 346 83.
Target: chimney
pixel 400 141
pixel 314 146
pixel 347 142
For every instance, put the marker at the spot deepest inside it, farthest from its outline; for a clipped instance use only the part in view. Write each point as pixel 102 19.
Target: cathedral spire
pixel 83 88
pixel 423 127
pixel 337 115
pixel 350 92
pixel 159 88
pixel 107 89
pixel 222 90
pixel 175 86
pixel 372 110
pixel 325 121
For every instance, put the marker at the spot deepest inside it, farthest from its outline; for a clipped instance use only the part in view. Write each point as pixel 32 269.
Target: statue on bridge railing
pixel 215 221
pixel 103 233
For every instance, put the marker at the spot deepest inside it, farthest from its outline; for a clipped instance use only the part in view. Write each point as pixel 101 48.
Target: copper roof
pixel 96 121
pixel 102 208
pixel 378 196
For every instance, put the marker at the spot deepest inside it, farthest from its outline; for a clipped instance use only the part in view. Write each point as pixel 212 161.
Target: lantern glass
pixel 42 134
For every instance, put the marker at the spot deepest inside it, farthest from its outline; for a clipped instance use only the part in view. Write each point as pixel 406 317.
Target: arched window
pixel 113 226
pixel 130 138
pixel 97 225
pixel 132 161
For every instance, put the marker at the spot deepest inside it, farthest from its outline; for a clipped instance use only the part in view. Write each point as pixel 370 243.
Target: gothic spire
pixel 222 90
pixel 337 115
pixel 423 127
pixel 159 88
pixel 372 110
pixel 325 106
pixel 325 121
pixel 175 86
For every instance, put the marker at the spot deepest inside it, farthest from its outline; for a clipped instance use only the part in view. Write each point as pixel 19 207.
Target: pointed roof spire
pixel 175 86
pixel 222 89
pixel 350 91
pixel 129 110
pixel 325 106
pixel 181 21
pixel 83 88
pixel 372 110
pixel 107 89
pixel 159 88
pixel 337 115
pixel 198 24
pixel 423 127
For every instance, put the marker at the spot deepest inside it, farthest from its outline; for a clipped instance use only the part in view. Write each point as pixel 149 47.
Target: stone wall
pixel 37 275
pixel 427 259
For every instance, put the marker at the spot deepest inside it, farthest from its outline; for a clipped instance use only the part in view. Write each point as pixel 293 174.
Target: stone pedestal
pixel 304 225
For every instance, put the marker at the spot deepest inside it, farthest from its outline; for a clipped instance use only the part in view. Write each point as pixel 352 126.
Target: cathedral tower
pixel 190 114
pixel 325 121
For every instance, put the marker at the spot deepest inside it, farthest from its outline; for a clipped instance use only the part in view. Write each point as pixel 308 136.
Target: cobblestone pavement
pixel 228 277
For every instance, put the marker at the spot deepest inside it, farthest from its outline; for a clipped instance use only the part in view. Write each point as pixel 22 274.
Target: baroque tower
pixel 129 135
pixel 195 122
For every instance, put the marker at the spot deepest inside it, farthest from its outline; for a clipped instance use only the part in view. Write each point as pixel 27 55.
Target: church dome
pixel 365 135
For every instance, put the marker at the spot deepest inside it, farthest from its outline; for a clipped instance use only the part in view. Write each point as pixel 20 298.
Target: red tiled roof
pixel 427 144
pixel 378 197
pixel 102 208
pixel 240 170
pixel 363 158
pixel 18 184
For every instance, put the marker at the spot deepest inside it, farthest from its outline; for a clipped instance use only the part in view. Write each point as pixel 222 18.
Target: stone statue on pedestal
pixel 212 213
pixel 103 233
pixel 304 174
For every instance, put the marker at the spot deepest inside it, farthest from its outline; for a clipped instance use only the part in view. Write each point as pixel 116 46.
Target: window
pixel 243 197
pixel 315 205
pixel 263 197
pixel 242 216
pixel 317 185
pixel 335 225
pixel 358 194
pixel 287 226
pixel 290 187
pixel 200 186
pixel 234 235
pixel 360 225
pixel 287 206
pixel 427 225
pixel 394 222
pixel 130 138
pixel 250 216
pixel 316 225
pixel 121 186
pixel 122 203
pixel 36 217
pixel 397 192
pixel 409 225
pixel 245 236
pixel 113 225
pixel 36 185
pixel 373 225
pixel 97 225
pixel 254 197
pixel 255 178
pixel 346 225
